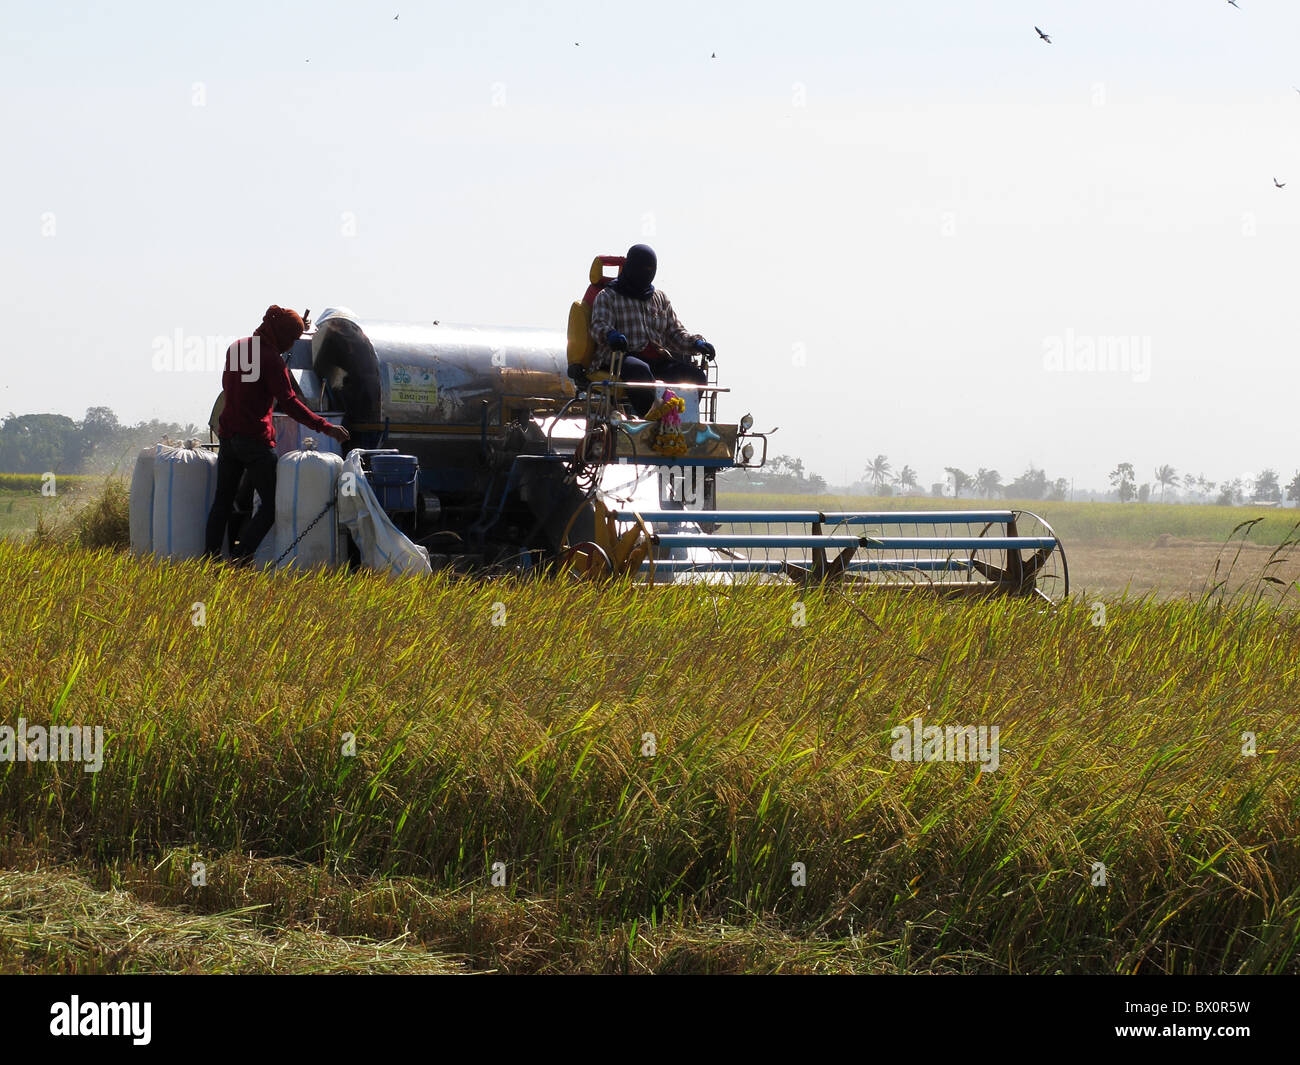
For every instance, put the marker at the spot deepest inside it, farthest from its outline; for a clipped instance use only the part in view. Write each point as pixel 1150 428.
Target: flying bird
pixel 1234 4
pixel 396 17
pixel 1042 35
pixel 714 55
pixel 1279 184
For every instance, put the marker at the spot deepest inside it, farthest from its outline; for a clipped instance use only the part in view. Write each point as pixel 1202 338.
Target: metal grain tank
pixel 440 392
pixel 459 398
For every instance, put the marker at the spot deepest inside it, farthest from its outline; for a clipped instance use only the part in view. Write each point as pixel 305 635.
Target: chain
pixel 304 533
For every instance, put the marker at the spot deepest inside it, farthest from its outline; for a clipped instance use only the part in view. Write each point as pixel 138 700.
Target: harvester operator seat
pixel 581 348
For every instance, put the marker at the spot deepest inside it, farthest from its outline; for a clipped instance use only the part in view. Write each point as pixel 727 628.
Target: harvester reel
pixel 966 554
pixel 1044 573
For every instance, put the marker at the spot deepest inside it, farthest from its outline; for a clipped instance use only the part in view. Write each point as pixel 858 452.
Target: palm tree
pixel 878 471
pixel 988 483
pixel 906 480
pixel 1166 476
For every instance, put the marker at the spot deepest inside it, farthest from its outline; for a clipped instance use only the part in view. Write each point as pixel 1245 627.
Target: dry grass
pixel 52 921
pixel 96 520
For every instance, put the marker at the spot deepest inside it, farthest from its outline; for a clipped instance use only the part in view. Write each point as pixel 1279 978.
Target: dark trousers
pixel 248 463
pixel 671 371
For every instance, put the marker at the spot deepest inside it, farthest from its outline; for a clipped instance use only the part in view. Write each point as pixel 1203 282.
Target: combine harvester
pixel 478 454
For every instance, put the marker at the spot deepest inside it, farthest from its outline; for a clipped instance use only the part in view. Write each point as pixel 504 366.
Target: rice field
pixel 330 773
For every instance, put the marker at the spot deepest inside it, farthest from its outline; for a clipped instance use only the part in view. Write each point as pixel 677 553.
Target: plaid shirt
pixel 641 321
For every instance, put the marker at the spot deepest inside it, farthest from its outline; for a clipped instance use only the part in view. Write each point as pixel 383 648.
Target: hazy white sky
pixel 904 225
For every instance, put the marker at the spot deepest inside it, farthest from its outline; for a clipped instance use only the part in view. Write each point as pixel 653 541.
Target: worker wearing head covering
pixel 255 380
pixel 632 316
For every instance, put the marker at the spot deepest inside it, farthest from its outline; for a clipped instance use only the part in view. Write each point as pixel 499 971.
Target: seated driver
pixel 632 316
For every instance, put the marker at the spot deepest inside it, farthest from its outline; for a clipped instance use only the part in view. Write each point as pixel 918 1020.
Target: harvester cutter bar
pixel 772 565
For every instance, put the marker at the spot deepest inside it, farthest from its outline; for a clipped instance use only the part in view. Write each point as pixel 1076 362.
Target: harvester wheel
pixel 587 561
pixel 1045 573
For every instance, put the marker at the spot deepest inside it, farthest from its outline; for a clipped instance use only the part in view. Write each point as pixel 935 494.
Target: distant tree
pixel 1144 493
pixel 100 423
pixel 1124 480
pixel 1267 488
pixel 987 483
pixel 1032 484
pixel 781 473
pixel 938 489
pixel 960 479
pixel 905 480
pixel 40 443
pixel 1293 489
pixel 1165 477
pixel 1060 489
pixel 99 443
pixel 877 472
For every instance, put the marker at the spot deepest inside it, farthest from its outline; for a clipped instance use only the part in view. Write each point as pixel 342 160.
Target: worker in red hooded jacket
pixel 254 381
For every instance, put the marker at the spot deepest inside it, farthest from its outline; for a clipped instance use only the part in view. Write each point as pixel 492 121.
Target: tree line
pixel 98 443
pixel 1265 487
pixel 785 473
pixel 984 483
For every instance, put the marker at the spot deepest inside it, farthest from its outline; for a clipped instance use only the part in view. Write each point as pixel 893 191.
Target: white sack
pixel 184 484
pixel 305 483
pixel 381 543
pixel 140 509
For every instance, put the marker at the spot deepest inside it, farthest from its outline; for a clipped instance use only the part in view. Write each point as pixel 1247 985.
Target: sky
pixel 911 228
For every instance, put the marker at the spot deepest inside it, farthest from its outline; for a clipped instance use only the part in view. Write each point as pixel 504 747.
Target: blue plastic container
pixel 393 477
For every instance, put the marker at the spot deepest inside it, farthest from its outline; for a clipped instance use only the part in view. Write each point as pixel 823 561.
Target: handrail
pixel 776 517
pixel 647 384
pixel 900 543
